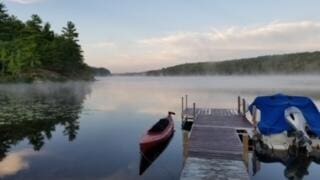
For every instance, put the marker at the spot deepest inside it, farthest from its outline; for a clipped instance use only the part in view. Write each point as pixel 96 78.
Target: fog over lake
pixel 91 130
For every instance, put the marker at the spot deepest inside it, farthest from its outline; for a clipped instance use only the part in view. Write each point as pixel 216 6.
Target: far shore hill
pixel 293 63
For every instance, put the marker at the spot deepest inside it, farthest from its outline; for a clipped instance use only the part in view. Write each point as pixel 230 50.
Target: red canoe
pixel 159 133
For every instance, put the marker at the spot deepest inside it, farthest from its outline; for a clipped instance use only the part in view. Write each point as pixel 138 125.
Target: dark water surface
pixel 80 130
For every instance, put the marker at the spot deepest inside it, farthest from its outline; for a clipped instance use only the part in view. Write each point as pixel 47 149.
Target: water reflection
pixel 148 158
pixel 296 162
pixel 112 119
pixel 154 95
pixel 32 112
pixel 15 162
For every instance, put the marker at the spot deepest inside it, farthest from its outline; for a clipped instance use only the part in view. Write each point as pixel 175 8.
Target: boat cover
pixel 273 117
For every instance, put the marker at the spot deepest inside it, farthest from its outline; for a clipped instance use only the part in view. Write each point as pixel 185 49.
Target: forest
pixel 294 63
pixel 31 51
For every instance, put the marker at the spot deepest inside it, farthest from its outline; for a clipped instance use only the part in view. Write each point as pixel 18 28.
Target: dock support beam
pixel 254 119
pixel 194 111
pixel 186 102
pixel 182 110
pixel 245 141
pixel 239 105
pixel 244 107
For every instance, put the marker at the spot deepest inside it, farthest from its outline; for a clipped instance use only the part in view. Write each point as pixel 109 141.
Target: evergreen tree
pixel 34 24
pixel 3 12
pixel 70 32
pixel 3 20
pixel 47 32
pixel 32 47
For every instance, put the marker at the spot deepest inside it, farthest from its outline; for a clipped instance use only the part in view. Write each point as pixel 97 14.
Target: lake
pixel 91 130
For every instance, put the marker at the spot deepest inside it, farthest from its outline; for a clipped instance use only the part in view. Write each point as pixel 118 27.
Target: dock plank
pixel 231 121
pixel 214 138
pixel 207 142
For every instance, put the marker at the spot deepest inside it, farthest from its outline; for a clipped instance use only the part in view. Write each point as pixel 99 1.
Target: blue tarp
pixel 272 113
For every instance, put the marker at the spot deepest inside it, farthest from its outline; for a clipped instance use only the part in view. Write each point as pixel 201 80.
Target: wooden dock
pixel 215 149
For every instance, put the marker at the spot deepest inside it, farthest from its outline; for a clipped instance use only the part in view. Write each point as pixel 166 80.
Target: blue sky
pixel 136 35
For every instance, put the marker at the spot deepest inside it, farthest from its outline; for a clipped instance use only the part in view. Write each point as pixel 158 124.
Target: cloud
pixel 213 45
pixel 26 1
pixel 15 162
pixel 236 42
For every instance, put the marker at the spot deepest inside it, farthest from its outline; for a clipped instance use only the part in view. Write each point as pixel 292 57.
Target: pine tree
pixel 34 25
pixel 32 47
pixel 70 32
pixel 3 12
pixel 3 19
pixel 46 30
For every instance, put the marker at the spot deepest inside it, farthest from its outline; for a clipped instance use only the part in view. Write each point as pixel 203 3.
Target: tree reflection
pixel 32 112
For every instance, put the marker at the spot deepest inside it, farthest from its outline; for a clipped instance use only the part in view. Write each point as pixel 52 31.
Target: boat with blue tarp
pixel 286 121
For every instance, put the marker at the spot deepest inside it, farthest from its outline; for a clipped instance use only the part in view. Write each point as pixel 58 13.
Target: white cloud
pixel 26 1
pixel 213 45
pixel 238 42
pixel 15 162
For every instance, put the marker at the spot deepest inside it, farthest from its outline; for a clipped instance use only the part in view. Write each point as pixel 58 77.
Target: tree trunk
pixel 2 68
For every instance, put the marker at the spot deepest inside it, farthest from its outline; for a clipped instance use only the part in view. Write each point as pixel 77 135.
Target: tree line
pixel 295 63
pixel 32 49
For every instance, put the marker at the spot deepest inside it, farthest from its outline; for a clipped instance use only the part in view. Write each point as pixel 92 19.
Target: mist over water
pixel 80 130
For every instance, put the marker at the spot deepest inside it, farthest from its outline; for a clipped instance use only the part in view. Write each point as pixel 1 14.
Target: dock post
pixel 182 110
pixel 245 141
pixel 186 102
pixel 244 107
pixel 239 105
pixel 194 111
pixel 254 119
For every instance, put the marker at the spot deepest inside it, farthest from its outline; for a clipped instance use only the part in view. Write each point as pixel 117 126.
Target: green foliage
pixel 34 24
pixel 297 63
pixel 3 12
pixel 30 48
pixel 70 32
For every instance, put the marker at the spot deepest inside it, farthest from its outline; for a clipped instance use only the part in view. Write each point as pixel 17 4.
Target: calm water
pixel 81 130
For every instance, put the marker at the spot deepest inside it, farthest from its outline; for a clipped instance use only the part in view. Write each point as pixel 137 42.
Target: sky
pixel 139 35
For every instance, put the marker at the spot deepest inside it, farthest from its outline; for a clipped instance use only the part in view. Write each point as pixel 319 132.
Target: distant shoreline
pixel 221 75
pixel 283 64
